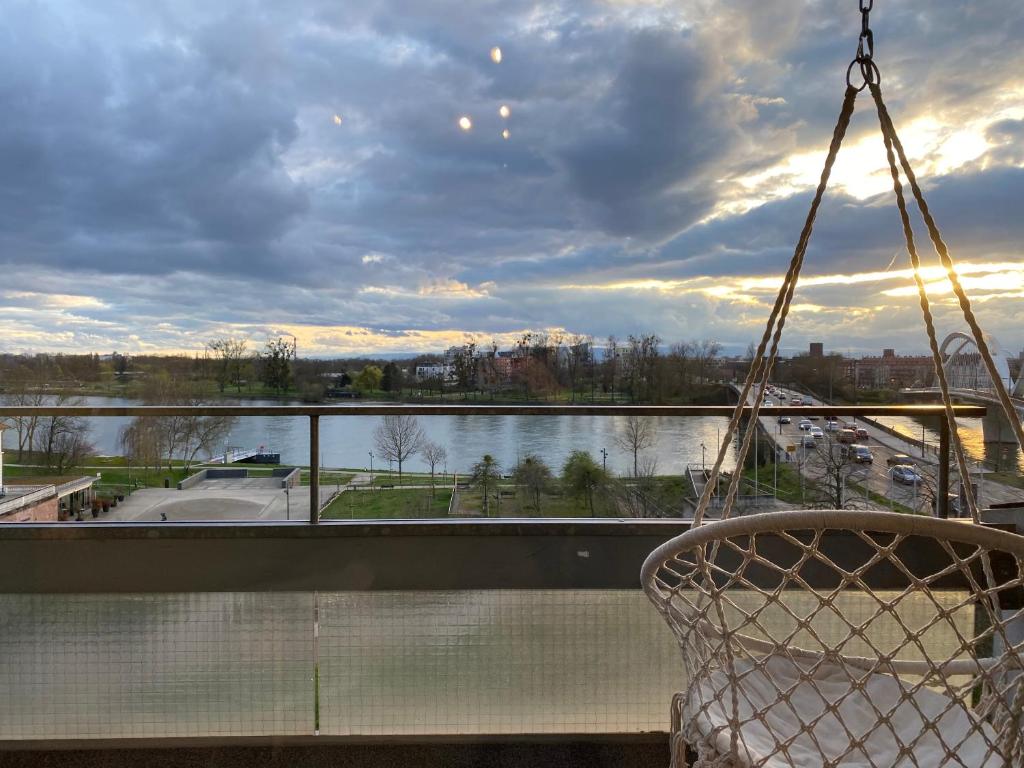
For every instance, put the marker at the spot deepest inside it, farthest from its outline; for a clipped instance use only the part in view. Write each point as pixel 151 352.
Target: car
pixel 900 460
pixel 817 434
pixel 807 401
pixel 808 442
pixel 785 420
pixel 862 434
pixel 905 474
pixel 831 426
pixel 847 436
pixel 796 401
pixel 805 424
pixel 860 454
pixel 768 402
pixel 813 416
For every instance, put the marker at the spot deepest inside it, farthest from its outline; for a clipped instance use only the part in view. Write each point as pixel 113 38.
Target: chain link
pixel 865 49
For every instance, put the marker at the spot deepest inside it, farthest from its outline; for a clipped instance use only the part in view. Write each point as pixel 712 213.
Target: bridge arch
pixel 965 370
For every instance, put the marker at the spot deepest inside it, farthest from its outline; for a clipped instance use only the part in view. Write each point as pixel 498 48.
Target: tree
pixel 433 454
pixel 486 475
pixel 576 361
pixel 64 440
pixel 583 476
pixel 611 365
pixel 369 379
pixel 231 358
pixel 830 466
pixel 391 378
pixel 170 437
pixel 637 434
pixel 276 364
pixel 534 476
pixel 397 438
pixel 706 351
pixel 464 364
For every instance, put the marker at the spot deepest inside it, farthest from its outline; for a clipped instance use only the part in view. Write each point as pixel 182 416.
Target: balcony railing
pixel 146 633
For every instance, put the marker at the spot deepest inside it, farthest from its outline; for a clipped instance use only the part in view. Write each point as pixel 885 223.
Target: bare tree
pixel 831 466
pixel 64 440
pixel 173 437
pixel 707 351
pixel 635 497
pixel 232 360
pixel 637 435
pixel 397 438
pixel 433 454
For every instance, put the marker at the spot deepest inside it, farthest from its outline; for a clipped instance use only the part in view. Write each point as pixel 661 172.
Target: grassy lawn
pixel 388 505
pixel 551 505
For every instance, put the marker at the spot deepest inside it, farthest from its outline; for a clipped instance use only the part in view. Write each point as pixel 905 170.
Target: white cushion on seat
pixel 709 731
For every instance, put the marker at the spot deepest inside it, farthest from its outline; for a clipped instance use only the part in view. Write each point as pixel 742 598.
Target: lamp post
pixel 702 469
pixel 604 460
pixel 288 504
pixel 371 470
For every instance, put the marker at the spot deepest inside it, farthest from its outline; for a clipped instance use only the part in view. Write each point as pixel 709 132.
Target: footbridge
pixel 969 382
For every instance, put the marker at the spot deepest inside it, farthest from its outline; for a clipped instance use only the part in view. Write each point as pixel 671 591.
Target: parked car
pixel 862 434
pixel 805 424
pixel 905 474
pixel 900 459
pixel 817 434
pixel 847 436
pixel 861 454
pixel 785 420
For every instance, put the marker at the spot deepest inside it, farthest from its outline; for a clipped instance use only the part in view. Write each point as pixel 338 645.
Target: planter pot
pixel 120 497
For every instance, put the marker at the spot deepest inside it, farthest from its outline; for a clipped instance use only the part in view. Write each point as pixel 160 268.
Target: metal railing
pixel 315 412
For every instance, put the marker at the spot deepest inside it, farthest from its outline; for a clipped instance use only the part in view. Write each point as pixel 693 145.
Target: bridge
pixel 969 382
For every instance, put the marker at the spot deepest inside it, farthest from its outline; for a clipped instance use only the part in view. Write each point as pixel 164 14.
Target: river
pixel 345 441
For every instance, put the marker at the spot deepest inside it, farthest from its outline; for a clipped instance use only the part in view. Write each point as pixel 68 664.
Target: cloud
pixel 173 172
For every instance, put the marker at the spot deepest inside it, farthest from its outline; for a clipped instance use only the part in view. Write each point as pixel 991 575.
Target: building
pixel 891 371
pixel 434 371
pixel 817 349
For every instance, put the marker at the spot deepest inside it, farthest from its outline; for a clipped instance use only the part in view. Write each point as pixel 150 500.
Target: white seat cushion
pixel 709 731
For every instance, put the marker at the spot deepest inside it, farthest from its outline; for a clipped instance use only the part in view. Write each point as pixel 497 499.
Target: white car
pixel 805 424
pixel 817 434
pixel 831 426
pixel 768 402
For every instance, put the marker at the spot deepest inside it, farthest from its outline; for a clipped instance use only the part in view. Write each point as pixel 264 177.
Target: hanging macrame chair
pixel 793 655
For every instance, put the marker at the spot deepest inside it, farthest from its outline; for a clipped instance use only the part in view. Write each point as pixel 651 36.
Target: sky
pixel 175 172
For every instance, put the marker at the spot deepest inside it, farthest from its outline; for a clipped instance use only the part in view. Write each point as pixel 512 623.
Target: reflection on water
pixel 345 441
pixel 1000 456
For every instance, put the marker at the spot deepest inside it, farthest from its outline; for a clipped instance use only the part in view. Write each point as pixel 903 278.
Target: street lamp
pixel 702 468
pixel 288 503
pixel 371 470
pixel 604 460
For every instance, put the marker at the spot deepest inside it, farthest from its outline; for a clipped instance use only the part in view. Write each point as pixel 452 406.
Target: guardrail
pixel 315 412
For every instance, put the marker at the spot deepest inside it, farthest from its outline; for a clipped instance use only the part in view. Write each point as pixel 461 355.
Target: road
pixel 875 476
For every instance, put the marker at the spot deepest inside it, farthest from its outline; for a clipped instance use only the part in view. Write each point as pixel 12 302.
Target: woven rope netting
pixel 847 637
